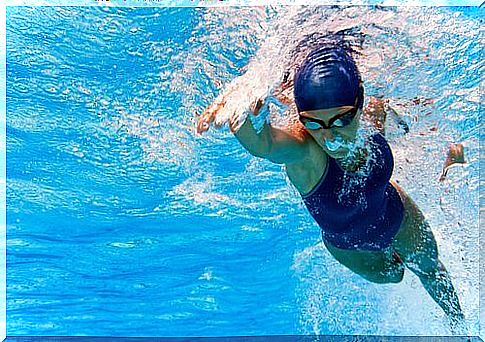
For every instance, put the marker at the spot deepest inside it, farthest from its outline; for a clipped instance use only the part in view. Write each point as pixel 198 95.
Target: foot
pixel 458 325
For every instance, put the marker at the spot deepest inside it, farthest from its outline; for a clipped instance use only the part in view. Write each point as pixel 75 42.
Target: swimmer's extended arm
pixel 276 145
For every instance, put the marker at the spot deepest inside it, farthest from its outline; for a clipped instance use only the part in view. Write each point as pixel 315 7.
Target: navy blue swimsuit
pixel 358 210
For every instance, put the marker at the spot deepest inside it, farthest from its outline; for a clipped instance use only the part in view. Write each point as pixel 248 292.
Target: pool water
pixel 121 220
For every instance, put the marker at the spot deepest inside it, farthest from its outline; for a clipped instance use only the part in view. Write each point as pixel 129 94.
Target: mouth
pixel 339 144
pixel 335 144
pixel 338 147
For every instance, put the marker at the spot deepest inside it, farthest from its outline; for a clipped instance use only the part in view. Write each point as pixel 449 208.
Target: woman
pixel 342 171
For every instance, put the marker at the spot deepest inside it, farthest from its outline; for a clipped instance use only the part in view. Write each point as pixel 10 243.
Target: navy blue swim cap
pixel 327 78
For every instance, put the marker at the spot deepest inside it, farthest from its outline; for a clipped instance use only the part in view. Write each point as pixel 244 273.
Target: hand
pixel 400 122
pixel 232 106
pixel 284 93
pixel 209 115
pixel 235 120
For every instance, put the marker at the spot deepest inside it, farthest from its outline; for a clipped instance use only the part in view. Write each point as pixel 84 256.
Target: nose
pixel 327 134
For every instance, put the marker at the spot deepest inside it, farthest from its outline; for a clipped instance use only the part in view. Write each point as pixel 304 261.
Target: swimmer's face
pixel 333 129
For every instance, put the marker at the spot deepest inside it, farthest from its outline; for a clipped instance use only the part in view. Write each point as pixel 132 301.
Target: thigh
pixel 377 267
pixel 415 242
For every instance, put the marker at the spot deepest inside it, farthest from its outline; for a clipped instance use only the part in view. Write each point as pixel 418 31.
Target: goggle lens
pixel 312 125
pixel 342 121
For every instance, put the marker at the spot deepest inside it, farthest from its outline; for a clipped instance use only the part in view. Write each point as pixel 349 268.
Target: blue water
pixel 121 220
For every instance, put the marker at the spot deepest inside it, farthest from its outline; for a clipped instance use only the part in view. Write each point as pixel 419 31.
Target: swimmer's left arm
pixel 400 122
pixel 377 111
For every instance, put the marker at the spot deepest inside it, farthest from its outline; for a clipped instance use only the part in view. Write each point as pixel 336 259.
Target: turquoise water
pixel 121 220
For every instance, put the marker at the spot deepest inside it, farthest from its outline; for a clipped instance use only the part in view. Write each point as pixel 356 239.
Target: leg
pixel 437 283
pixel 424 262
pixel 417 247
pixel 377 267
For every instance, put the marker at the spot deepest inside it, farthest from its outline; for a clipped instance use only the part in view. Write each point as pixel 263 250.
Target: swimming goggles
pixel 336 122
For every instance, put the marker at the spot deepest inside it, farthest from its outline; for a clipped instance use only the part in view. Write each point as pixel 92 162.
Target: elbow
pixel 258 154
pixel 274 156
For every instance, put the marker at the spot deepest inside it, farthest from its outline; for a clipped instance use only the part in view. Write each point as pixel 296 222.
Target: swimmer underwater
pixel 369 224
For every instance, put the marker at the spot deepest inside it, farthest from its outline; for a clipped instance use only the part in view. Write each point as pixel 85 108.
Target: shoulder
pixel 383 164
pixel 289 144
pixel 307 170
pixel 311 151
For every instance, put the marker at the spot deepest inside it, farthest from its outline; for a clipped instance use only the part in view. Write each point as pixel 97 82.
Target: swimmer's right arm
pixel 276 145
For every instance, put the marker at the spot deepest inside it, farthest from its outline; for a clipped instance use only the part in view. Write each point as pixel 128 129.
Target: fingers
pixel 218 124
pixel 204 122
pixel 256 106
pixel 209 115
pixel 202 127
pixel 233 123
pixel 235 120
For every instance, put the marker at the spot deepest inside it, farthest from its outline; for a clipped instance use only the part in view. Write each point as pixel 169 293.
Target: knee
pixel 396 278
